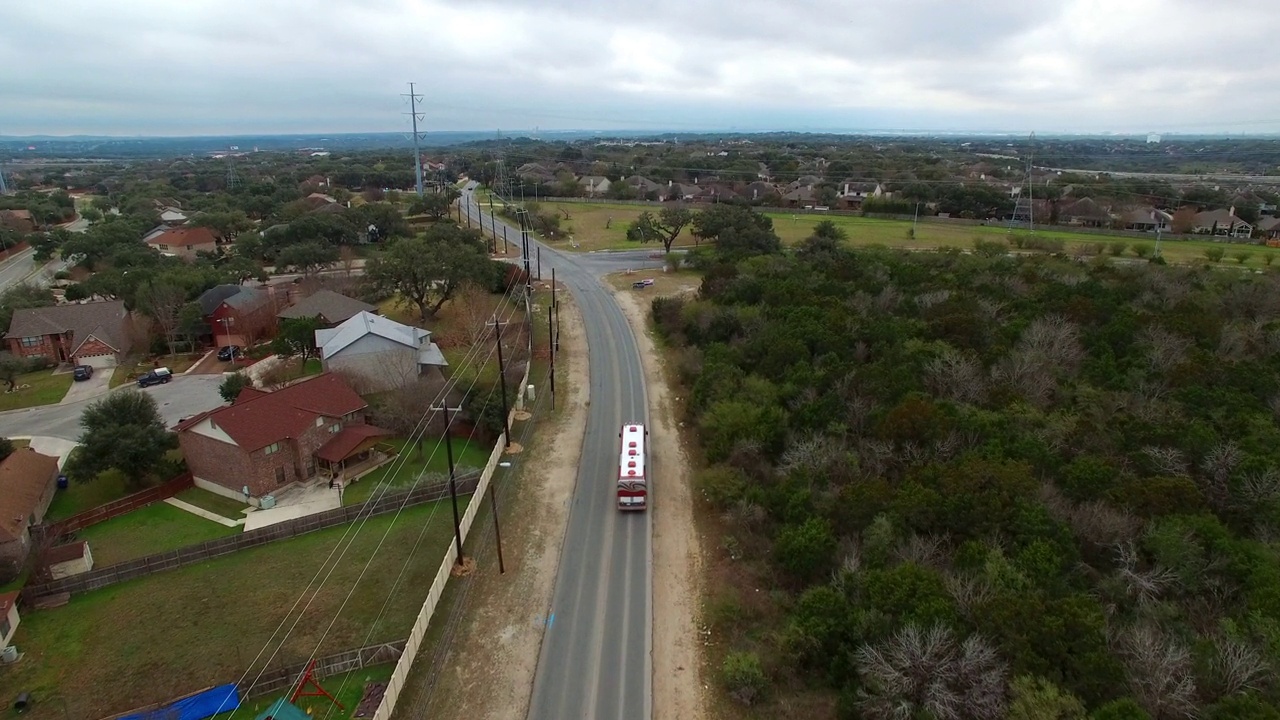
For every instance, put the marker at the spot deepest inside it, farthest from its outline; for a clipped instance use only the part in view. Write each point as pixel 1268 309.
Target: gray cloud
pixel 205 66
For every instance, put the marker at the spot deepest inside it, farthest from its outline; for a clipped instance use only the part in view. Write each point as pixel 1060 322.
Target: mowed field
pixel 600 226
pixel 158 637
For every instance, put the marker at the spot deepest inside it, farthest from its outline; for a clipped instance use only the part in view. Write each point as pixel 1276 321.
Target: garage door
pixel 98 361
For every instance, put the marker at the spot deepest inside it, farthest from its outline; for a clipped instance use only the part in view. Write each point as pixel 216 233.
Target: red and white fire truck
pixel 633 486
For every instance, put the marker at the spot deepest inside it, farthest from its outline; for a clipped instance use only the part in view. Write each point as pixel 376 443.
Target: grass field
pixel 589 220
pixel 403 471
pixel 214 503
pixel 159 637
pixel 158 527
pixel 82 496
pixel 36 388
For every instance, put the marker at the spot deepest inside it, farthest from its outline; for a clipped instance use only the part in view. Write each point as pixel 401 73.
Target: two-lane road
pixel 596 657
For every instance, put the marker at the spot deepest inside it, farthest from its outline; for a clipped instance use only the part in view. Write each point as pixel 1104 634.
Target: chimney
pixel 1232 211
pixel 668 183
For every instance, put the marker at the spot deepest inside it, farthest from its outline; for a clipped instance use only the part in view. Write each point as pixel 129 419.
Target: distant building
pixel 1153 138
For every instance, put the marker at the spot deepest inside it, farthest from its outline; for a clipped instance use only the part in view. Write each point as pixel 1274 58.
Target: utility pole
pixel 502 379
pixel 555 305
pixel 539 254
pixel 453 490
pixel 1031 182
pixel 413 113
pixel 551 342
pixel 497 532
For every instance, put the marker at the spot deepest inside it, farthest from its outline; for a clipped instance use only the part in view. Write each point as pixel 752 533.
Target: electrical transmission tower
pixel 4 189
pixel 413 113
pixel 232 179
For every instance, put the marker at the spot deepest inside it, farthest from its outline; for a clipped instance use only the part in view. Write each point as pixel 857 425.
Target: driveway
pixel 183 397
pixel 98 384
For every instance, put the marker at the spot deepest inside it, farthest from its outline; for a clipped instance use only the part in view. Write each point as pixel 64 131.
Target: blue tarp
pixel 195 707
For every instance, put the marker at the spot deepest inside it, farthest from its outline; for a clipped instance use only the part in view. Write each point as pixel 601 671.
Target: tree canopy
pixel 425 271
pixel 983 486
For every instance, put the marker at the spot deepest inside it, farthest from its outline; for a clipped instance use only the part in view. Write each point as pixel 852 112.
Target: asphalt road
pixel 184 396
pixel 596 657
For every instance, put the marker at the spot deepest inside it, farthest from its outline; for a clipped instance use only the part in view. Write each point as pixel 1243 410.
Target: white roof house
pixel 385 353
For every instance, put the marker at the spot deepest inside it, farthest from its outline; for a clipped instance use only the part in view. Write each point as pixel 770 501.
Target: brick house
pixel 264 441
pixel 185 242
pixel 28 480
pixel 95 333
pixel 238 315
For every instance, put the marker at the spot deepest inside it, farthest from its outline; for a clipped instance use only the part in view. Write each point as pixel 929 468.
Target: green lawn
pixel 214 503
pixel 172 633
pixel 37 388
pixel 82 496
pixel 158 527
pixel 588 223
pixel 348 688
pixel 403 471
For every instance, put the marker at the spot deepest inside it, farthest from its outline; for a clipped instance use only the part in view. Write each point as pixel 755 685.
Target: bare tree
pixel 163 303
pixel 347 258
pixel 970 593
pixel 1094 522
pixel 1238 667
pixel 470 305
pixel 956 376
pixel 926 672
pixel 1160 671
pixel 1165 350
pixel 1144 585
pixel 927 300
pixel 1168 461
pixel 404 411
pixel 928 551
pixel 1027 374
pixel 1057 340
pixel 817 454
pixel 1215 477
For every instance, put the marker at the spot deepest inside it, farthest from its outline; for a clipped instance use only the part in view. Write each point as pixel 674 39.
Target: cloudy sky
pixel 193 67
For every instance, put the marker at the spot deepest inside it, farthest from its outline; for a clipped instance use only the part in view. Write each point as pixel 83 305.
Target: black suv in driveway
pixel 82 372
pixel 159 376
pixel 229 352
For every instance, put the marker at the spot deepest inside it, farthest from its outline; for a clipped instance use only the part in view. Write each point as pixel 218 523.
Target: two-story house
pixel 95 333
pixel 264 441
pixel 238 315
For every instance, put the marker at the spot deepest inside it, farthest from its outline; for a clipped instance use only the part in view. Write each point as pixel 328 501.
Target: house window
pixel 191 247
pixel 319 421
pixel 311 466
pixel 31 341
pixel 335 427
pixel 273 448
pixel 164 247
pixel 280 475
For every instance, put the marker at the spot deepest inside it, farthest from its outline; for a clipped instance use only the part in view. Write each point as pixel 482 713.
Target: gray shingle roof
pixel 328 305
pixel 103 320
pixel 239 297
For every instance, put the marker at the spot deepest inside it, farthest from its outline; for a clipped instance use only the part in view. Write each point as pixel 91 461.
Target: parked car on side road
pixel 159 376
pixel 82 372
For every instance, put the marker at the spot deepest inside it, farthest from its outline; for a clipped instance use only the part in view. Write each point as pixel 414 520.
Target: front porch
pixel 353 452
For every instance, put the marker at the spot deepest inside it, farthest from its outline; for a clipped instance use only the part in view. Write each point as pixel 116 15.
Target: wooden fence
pixel 192 554
pixel 116 508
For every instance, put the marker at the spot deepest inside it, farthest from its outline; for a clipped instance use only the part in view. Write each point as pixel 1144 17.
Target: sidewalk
pixel 204 513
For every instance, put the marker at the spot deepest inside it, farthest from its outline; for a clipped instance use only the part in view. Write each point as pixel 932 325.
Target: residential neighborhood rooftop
pixel 103 320
pixel 24 477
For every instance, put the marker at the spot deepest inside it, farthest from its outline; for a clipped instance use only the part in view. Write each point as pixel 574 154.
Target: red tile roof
pixel 344 444
pixel 255 420
pixel 184 236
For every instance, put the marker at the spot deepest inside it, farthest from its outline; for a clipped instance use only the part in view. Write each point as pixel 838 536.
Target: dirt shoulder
pixel 678 673
pixel 489 674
